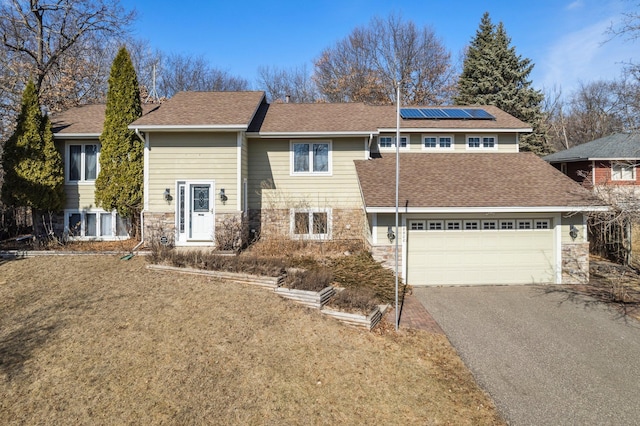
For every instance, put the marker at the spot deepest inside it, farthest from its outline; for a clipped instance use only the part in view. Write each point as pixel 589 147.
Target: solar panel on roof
pixel 456 113
pixel 411 113
pixel 479 114
pixel 433 113
pixel 445 113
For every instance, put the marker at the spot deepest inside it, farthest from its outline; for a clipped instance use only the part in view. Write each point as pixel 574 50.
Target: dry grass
pixel 88 340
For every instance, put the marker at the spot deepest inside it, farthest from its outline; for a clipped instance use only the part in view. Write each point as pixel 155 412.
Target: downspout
pixel 141 211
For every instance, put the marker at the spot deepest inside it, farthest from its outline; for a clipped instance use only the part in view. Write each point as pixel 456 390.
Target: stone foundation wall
pixel 346 224
pixel 575 263
pixel 386 255
pixel 157 225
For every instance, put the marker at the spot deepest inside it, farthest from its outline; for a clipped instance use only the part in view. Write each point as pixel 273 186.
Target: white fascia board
pixel 548 209
pixel 615 159
pixel 454 130
pixel 76 135
pixel 191 128
pixel 279 135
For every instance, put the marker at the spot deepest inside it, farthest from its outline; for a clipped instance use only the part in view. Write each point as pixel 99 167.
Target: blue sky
pixel 564 38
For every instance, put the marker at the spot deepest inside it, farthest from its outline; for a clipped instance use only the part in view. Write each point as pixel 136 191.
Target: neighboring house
pixel 610 160
pixel 608 166
pixel 472 209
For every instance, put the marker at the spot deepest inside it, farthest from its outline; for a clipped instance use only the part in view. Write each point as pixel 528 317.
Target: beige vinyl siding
pixel 383 223
pixel 506 142
pixel 192 156
pixel 80 196
pixel 244 164
pixel 577 221
pixel 272 186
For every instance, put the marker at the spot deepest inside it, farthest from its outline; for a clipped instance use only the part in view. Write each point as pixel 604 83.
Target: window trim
pixel 67 163
pixel 417 225
pixel 83 218
pixel 481 147
pixel 292 171
pixel 393 142
pixel 623 164
pixel 310 235
pixel 438 147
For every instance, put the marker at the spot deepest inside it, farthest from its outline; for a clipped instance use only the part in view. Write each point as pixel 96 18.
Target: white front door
pixel 195 211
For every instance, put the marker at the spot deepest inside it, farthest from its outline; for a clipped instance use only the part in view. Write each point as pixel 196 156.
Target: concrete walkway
pixel 546 356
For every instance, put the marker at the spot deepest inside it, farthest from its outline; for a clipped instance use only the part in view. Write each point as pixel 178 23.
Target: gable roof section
pixel 203 111
pixel 469 181
pixel 84 121
pixel 360 118
pixel 618 146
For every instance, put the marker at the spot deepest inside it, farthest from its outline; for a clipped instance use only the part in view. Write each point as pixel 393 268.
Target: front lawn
pixel 94 339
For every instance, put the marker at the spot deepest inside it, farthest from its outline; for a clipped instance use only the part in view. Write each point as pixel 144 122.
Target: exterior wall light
pixel 223 196
pixel 390 234
pixel 573 232
pixel 167 195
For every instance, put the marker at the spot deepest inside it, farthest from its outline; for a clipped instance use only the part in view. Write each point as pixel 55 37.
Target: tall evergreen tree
pixel 494 74
pixel 119 184
pixel 33 171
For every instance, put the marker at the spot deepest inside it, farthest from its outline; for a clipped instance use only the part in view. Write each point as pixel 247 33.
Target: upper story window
pixel 389 142
pixel 482 142
pixel 623 171
pixel 82 163
pixel 437 141
pixel 311 158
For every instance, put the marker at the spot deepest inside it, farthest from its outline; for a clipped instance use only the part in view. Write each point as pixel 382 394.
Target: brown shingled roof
pixel 462 180
pixel 86 119
pixel 359 117
pixel 204 109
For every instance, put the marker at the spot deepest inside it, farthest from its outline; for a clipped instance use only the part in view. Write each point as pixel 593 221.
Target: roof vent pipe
pixel 287 98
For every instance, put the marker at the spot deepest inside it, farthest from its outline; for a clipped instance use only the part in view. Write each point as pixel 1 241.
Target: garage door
pixel 509 251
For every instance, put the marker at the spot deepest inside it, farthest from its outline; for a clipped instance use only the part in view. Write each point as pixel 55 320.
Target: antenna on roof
pixel 153 93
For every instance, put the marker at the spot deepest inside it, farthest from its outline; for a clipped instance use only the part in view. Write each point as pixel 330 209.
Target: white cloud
pixel 583 56
pixel 575 5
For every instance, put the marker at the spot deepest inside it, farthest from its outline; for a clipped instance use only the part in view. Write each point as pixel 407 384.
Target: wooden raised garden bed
pixel 358 320
pixel 315 299
pixel 261 281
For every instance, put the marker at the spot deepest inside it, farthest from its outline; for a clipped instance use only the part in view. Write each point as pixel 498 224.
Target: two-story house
pixel 473 210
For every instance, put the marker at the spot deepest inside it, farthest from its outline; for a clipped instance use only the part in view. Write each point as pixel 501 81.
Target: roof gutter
pixel 191 128
pixel 76 135
pixel 455 130
pixel 542 209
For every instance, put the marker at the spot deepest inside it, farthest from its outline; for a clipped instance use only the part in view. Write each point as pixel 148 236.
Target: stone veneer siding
pixel 346 224
pixel 386 255
pixel 157 225
pixel 575 263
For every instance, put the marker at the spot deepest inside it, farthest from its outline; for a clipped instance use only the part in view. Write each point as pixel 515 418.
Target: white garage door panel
pixel 480 257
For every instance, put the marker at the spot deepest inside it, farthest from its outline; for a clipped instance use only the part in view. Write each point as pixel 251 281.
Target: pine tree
pixel 119 184
pixel 494 74
pixel 34 175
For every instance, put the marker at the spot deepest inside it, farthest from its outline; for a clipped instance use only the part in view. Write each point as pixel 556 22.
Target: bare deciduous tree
pixel 367 65
pixel 185 72
pixel 296 83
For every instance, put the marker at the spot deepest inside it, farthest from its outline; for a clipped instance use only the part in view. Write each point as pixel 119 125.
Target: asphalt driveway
pixel 547 357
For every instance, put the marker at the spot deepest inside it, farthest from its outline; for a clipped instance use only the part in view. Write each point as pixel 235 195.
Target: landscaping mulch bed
pixel 98 340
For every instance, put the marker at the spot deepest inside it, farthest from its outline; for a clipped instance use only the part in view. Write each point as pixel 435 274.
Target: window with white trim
pixel 311 223
pixel 82 162
pixel 524 224
pixel 541 224
pixel 482 142
pixel 471 225
pixel 507 224
pixel 416 225
pixel 95 224
pixel 454 225
pixel 437 141
pixel 389 142
pixel 435 225
pixel 489 224
pixel 311 158
pixel 623 171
